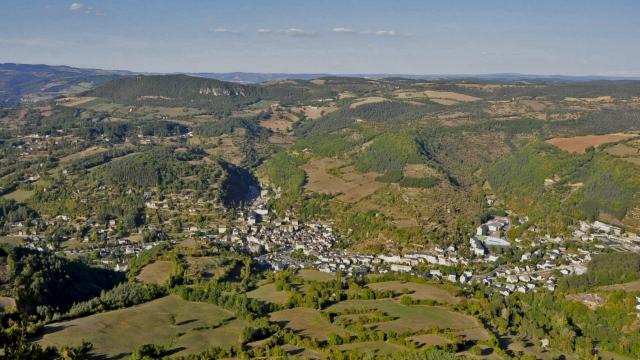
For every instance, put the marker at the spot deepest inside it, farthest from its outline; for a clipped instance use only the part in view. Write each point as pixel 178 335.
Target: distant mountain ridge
pixel 192 91
pixel 20 83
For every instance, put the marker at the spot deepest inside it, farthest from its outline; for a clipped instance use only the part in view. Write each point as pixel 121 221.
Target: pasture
pixel 306 322
pixel 410 317
pixel 19 195
pixel 208 267
pixel 632 286
pixel 417 291
pixel 269 293
pixel 377 348
pixel 156 273
pixel 93 150
pixel 579 144
pixel 11 240
pixel 182 326
pixel 429 340
pixel 315 275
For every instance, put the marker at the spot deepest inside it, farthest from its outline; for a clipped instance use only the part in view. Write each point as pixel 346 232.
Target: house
pixel 482 230
pixel 401 268
pixel 495 225
pixel 477 248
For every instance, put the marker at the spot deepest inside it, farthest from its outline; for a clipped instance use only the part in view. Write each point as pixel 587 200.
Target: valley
pixel 329 218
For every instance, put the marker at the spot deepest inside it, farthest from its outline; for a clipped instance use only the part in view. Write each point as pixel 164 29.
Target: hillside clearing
pixel 351 186
pixel 156 273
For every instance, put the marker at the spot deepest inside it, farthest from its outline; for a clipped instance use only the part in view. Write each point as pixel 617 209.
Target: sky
pixel 567 37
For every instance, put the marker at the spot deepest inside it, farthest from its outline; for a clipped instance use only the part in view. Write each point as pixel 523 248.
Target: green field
pixel 378 348
pixel 315 275
pixel 19 195
pixel 417 291
pixel 116 333
pixel 306 322
pixel 410 317
pixel 156 273
pixel 269 293
pixel 11 240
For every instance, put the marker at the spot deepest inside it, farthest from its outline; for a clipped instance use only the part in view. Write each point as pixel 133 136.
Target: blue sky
pixel 336 36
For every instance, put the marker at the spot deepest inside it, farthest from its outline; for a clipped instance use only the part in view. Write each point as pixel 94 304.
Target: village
pixel 285 242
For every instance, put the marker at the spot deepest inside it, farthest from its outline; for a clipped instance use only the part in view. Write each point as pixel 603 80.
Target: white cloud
pixel 298 32
pixel 389 33
pixel 343 30
pixel 346 30
pixel 226 31
pixel 384 33
pixel 89 10
pixel 295 32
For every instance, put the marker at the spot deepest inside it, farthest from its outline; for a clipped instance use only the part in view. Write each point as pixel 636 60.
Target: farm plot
pixel 417 291
pixel 440 97
pixel 410 317
pixel 367 100
pixel 350 186
pixel 182 326
pixel 579 144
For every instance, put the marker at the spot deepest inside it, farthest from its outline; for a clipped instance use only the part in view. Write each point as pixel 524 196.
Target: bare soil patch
pixel 7 303
pixel 72 101
pixel 578 144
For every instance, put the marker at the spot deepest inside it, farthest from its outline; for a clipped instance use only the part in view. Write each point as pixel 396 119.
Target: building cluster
pixel 490 235
pixel 607 235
